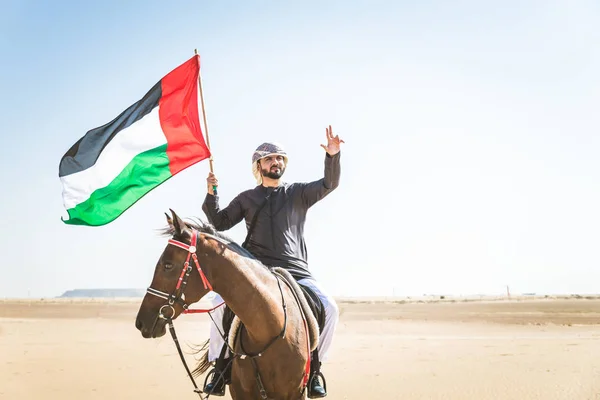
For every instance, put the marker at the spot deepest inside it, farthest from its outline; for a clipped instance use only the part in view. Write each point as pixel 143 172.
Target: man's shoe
pixel 216 386
pixel 315 390
pixel 219 380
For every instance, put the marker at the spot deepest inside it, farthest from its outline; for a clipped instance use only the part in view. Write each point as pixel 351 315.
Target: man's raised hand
pixel 333 142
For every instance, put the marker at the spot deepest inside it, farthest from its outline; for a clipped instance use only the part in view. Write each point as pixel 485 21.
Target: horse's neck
pixel 251 292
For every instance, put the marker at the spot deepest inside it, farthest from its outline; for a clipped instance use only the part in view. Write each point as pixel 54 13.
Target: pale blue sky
pixel 472 135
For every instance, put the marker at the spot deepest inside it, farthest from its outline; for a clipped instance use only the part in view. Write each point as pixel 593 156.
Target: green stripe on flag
pixel 146 171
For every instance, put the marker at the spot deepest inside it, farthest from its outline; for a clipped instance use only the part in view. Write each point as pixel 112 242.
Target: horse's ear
pixel 169 220
pixel 178 224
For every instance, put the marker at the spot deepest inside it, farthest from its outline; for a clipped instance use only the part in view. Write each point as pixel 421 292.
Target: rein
pixel 178 296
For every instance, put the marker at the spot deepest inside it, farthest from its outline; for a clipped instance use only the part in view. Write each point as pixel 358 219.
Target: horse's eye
pixel 168 266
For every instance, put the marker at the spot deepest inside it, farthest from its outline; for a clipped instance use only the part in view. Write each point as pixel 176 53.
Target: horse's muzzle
pixel 151 331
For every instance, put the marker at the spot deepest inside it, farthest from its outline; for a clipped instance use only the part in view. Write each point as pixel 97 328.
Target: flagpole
pixel 210 160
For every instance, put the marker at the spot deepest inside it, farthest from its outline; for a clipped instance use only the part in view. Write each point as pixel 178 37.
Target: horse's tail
pixel 203 363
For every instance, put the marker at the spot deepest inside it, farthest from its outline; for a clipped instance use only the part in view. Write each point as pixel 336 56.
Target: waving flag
pixel 114 165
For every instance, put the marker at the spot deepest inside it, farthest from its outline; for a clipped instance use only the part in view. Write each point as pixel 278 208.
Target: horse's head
pixel 178 281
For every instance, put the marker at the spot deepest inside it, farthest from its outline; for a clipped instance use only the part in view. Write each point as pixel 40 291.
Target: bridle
pixel 178 296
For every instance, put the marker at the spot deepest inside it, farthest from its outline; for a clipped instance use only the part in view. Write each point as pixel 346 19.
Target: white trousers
pixel 331 320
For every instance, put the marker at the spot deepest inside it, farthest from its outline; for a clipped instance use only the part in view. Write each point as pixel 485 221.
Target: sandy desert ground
pixel 502 349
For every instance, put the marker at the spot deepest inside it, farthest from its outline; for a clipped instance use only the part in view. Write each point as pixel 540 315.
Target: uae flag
pixel 115 165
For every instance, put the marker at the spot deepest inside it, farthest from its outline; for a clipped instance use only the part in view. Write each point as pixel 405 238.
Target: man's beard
pixel 273 173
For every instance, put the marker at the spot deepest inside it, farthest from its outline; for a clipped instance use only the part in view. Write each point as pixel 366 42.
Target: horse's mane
pixel 205 227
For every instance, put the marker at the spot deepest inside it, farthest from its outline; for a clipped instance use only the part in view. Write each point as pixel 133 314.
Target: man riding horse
pixel 275 214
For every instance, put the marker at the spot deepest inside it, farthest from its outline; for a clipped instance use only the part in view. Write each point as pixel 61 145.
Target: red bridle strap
pixel 201 310
pixel 191 248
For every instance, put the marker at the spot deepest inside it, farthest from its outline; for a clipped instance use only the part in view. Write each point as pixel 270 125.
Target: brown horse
pixel 272 349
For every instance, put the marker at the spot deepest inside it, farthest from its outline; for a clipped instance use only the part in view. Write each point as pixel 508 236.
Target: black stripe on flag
pixel 83 154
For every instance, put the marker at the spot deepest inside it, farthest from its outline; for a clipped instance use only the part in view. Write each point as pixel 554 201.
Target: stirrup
pixel 217 381
pixel 314 376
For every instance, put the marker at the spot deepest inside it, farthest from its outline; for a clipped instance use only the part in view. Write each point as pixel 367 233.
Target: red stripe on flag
pixel 178 113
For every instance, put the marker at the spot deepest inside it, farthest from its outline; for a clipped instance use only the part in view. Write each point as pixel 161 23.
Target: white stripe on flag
pixel 144 135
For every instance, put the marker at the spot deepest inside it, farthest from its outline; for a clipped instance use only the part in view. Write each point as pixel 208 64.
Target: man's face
pixel 272 166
